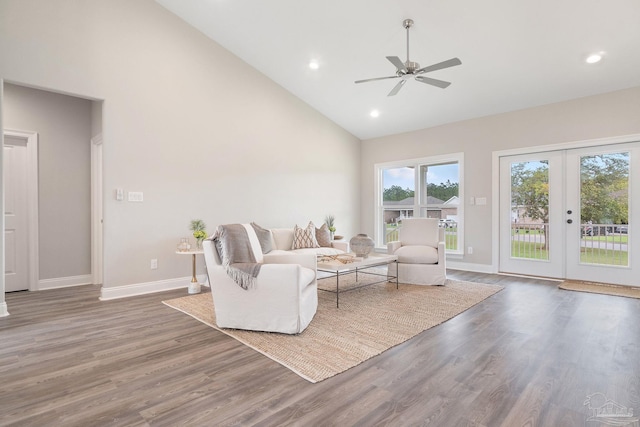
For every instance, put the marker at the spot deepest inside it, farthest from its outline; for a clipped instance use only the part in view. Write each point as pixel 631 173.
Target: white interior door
pixel 16 211
pixel 569 214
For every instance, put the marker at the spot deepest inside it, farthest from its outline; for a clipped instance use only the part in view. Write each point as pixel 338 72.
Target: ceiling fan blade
pixel 397 87
pixel 377 78
pixel 398 63
pixel 434 82
pixel 440 65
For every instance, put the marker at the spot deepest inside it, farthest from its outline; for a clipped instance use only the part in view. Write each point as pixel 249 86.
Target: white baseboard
pixel 3 309
pixel 64 282
pixel 467 266
pixel 147 288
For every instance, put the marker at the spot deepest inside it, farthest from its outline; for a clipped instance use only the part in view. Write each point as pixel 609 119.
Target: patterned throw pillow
pixel 305 237
pixel 323 236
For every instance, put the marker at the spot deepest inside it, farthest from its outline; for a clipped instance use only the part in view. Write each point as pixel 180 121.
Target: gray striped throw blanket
pixel 236 253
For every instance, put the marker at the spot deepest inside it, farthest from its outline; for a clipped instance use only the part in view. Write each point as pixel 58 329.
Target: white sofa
pixel 285 296
pixel 282 240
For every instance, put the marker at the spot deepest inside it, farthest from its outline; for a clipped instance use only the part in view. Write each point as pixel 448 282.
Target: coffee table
pixel 336 268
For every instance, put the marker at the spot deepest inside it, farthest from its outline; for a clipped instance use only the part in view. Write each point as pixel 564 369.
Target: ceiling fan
pixel 408 69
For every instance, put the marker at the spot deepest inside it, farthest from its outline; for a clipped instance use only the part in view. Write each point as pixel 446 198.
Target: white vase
pixel 362 245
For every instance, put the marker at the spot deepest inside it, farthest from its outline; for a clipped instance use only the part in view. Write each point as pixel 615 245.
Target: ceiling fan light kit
pixel 408 69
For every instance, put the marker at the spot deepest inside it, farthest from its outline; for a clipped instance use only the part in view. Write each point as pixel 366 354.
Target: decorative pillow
pixel 305 237
pixel 264 237
pixel 323 236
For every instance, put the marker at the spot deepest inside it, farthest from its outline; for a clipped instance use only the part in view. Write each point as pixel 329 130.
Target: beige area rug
pixel 601 288
pixel 369 321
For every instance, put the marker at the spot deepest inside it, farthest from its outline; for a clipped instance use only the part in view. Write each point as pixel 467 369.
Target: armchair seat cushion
pixel 417 254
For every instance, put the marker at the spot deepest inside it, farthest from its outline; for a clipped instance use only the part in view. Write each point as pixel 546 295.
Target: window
pixel 428 187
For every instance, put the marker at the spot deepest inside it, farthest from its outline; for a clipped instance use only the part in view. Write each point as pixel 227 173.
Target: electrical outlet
pixel 154 264
pixel 470 250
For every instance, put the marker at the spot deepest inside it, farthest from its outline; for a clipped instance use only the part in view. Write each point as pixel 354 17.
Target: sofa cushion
pixel 264 237
pixel 277 252
pixel 282 238
pixel 416 254
pixel 305 237
pixel 317 251
pixel 323 236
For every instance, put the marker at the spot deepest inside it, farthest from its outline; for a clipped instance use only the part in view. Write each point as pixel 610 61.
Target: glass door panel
pixel 604 209
pixel 530 209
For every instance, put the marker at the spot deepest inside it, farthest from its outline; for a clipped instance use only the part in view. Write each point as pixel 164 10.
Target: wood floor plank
pixel 529 355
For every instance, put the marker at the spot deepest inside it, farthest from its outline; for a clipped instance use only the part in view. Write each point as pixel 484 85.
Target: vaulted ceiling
pixel 514 54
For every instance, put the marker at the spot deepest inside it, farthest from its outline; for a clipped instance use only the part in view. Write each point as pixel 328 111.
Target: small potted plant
pixel 330 221
pixel 197 226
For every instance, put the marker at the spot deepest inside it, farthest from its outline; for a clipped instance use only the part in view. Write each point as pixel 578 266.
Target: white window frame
pixel 416 164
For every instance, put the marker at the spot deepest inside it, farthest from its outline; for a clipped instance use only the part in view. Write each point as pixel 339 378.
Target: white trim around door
pixel 96 211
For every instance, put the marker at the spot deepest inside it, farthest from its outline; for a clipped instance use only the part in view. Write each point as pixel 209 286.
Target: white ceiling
pixel 515 54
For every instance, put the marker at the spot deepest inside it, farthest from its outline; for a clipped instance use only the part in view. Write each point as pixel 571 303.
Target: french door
pixel 570 214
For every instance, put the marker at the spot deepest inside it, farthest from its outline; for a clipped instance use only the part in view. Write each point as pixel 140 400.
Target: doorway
pixel 64 235
pixel 569 214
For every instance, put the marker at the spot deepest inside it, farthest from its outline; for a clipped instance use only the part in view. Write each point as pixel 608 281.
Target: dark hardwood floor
pixel 528 356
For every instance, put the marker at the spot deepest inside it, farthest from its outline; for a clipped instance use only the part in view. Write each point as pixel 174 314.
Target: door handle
pixel 569 221
pixel 569 212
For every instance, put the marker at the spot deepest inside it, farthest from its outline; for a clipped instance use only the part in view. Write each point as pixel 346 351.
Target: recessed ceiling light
pixel 314 65
pixel 594 57
pixel 374 113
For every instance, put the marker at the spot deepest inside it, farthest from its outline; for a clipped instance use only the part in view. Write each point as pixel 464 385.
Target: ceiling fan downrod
pixel 407 23
pixel 410 67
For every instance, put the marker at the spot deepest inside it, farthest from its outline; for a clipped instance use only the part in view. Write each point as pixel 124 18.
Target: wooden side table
pixel 194 286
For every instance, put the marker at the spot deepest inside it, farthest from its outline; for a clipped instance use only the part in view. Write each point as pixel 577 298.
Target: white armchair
pixel 421 252
pixel 284 298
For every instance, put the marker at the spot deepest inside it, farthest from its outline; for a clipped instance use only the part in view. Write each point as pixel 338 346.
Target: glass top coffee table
pixel 340 265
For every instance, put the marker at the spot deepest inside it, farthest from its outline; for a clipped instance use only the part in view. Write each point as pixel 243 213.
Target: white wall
pixel 201 133
pixel 63 124
pixel 612 114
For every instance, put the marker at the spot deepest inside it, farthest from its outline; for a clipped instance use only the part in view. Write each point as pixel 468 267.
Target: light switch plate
pixel 135 196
